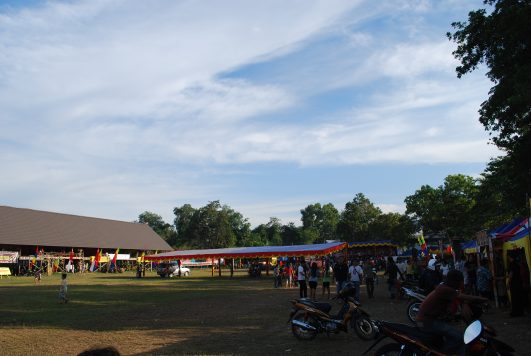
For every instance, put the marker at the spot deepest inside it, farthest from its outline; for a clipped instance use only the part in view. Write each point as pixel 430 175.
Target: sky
pixel 113 108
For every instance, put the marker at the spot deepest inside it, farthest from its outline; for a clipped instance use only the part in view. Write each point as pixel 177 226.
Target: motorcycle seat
pixel 416 333
pixel 324 307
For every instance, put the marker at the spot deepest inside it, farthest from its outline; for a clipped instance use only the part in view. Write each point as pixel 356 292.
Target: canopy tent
pixel 372 243
pixel 252 252
pixel 509 231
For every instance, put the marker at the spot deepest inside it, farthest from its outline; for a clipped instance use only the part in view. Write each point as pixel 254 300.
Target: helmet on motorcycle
pixel 432 264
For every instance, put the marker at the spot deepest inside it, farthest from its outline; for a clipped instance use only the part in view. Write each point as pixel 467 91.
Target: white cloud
pixel 118 104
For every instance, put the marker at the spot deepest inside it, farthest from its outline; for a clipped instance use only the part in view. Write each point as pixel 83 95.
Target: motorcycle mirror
pixel 472 332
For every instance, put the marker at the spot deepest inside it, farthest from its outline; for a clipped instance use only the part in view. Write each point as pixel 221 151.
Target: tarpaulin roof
pixel 509 230
pixel 371 243
pixel 252 252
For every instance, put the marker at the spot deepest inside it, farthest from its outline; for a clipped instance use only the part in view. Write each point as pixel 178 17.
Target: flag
pixel 71 257
pixel 422 244
pixel 95 261
pixel 113 262
pixel 37 251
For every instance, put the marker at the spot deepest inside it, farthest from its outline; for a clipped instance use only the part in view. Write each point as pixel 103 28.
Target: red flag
pixel 37 251
pixel 97 258
pixel 71 257
pixel 115 256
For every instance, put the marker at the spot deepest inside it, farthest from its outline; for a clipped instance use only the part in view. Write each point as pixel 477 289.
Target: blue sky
pixel 111 108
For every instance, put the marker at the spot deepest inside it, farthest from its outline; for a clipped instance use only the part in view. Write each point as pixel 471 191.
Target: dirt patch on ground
pixel 198 316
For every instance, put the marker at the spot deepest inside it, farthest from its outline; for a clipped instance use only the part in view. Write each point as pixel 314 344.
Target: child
pixel 63 290
pixel 37 275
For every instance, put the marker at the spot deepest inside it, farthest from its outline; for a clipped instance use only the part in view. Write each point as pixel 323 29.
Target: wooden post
pixel 493 272
pixel 212 267
pixel 219 267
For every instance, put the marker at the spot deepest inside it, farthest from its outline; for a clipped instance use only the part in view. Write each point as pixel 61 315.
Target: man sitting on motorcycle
pixel 437 305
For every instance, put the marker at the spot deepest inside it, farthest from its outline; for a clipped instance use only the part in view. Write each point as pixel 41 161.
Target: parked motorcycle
pixel 415 296
pixel 409 340
pixel 309 318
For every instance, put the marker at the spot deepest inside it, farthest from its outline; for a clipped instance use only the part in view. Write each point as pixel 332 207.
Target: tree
pixel 319 223
pixel 183 218
pixel 501 40
pixel 355 219
pixel 427 208
pixel 160 227
pixel 447 209
pixel 291 235
pixel 329 222
pixel 210 227
pixel 240 226
pixel 396 227
pixel 497 200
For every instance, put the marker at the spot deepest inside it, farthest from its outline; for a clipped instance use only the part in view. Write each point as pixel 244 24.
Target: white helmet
pixel 432 264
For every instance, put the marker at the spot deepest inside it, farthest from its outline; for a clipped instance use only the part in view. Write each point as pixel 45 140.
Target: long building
pixel 25 230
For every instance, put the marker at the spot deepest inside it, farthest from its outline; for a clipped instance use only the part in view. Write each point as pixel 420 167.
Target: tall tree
pixel 319 223
pixel 500 38
pixel 447 209
pixel 210 227
pixel 356 217
pixel 291 235
pixel 329 222
pixel 396 227
pixel 183 218
pixel 161 228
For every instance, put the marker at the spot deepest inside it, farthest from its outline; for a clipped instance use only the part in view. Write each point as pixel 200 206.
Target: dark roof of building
pixel 41 228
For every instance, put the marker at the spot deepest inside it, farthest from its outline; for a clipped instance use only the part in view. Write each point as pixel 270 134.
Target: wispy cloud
pixel 131 105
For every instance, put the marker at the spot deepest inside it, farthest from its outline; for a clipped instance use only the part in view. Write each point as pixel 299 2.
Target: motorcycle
pixel 416 296
pixel 409 340
pixel 309 318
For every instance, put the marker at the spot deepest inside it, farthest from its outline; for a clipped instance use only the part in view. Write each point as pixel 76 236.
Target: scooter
pixel 409 340
pixel 416 296
pixel 309 318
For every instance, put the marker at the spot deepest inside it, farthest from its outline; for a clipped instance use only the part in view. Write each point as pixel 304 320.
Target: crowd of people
pixel 452 286
pixel 427 273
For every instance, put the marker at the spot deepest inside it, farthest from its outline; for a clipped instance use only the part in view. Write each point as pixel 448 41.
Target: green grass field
pixel 199 314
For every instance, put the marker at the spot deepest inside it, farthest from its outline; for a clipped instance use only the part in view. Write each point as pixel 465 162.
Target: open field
pixel 194 315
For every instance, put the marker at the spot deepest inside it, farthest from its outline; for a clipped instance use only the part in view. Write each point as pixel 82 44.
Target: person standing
pixel 63 289
pixel 289 276
pixel 392 271
pixel 356 274
pixel 340 274
pixel 369 272
pixel 276 275
pixel 312 281
pixel 484 279
pixel 301 279
pixel 327 272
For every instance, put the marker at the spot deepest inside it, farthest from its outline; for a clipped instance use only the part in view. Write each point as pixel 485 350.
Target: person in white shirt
pixel 301 279
pixel 356 274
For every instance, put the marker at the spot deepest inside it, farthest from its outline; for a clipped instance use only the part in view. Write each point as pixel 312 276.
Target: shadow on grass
pixel 107 303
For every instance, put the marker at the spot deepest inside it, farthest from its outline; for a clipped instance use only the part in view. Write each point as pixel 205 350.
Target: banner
pixel 8 257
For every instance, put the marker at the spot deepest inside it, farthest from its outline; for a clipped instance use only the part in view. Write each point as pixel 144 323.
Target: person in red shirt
pixel 437 305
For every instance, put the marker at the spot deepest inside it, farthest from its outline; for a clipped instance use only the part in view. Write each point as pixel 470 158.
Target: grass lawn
pixel 199 314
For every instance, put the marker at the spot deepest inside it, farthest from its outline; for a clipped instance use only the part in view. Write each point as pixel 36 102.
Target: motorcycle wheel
pixel 389 349
pixel 412 311
pixel 301 333
pixel 363 328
